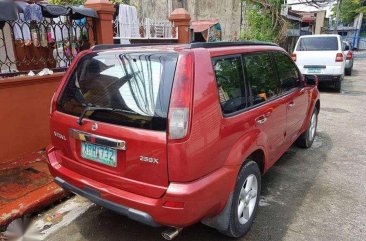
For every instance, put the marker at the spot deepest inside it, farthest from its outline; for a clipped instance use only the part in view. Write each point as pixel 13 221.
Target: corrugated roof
pixel 202 25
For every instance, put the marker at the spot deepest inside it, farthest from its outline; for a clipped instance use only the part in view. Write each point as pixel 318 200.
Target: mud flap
pixel 221 221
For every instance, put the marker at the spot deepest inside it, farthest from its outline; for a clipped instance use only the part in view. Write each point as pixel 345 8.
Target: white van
pixel 321 55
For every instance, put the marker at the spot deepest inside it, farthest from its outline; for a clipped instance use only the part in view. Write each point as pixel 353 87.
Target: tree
pixel 263 21
pixel 349 10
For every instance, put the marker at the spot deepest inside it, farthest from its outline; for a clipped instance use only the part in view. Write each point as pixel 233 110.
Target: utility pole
pixel 337 16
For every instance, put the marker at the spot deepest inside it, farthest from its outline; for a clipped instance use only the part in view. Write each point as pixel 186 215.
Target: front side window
pixel 230 83
pixel 287 72
pixel 136 84
pixel 260 74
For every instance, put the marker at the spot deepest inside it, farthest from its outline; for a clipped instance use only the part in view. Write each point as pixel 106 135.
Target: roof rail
pixel 112 46
pixel 227 44
pixel 189 46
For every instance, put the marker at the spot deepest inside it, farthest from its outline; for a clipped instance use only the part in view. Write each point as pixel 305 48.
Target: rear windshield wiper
pixel 89 108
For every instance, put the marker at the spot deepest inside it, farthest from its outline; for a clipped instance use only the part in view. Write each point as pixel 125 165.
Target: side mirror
pixel 311 80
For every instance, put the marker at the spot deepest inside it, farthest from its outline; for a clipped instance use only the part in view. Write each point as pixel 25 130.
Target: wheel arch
pixel 317 105
pixel 258 156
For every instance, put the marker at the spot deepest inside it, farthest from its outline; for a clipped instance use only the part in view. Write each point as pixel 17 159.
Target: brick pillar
pixel 181 19
pixel 103 25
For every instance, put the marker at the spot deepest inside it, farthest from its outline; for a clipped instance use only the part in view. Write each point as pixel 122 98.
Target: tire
pixel 348 72
pixel 245 197
pixel 307 138
pixel 337 86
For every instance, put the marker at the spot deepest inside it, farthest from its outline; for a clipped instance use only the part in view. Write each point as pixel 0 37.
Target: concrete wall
pixel 24 117
pixel 227 12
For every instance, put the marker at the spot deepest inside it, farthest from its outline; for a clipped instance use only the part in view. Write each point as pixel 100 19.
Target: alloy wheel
pixel 247 198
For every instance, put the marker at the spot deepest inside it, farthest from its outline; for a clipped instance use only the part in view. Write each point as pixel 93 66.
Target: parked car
pixel 171 135
pixel 347 51
pixel 321 55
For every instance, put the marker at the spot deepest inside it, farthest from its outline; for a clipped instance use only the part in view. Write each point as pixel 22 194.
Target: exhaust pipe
pixel 171 233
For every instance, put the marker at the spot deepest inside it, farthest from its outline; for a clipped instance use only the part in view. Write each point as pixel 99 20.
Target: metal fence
pixel 146 29
pixel 51 43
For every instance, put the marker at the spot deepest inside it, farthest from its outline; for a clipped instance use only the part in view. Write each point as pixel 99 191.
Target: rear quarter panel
pixel 214 141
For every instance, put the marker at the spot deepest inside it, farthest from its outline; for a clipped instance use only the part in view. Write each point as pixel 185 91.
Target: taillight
pixel 349 55
pixel 293 57
pixel 53 103
pixel 339 57
pixel 181 98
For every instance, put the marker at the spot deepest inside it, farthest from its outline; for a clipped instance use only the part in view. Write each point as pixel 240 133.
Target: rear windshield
pixel 318 44
pixel 139 84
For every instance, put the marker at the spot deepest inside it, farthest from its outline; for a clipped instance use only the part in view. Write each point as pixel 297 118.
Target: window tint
pixel 230 82
pixel 287 72
pixel 260 74
pixel 138 84
pixel 318 44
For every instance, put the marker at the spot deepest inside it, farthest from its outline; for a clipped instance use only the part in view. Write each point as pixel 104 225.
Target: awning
pixel 203 25
pixel 53 11
pixel 8 11
pixel 81 12
pixel 21 6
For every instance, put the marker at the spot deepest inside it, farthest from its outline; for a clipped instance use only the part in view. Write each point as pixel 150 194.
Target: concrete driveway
pixel 314 194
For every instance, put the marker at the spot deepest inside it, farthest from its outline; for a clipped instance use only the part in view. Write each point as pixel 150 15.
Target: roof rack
pixel 227 44
pixel 112 46
pixel 189 46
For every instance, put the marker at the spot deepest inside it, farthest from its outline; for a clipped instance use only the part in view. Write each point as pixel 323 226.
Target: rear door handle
pixel 261 119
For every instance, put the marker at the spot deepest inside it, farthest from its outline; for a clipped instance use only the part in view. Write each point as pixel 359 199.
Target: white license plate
pixel 101 154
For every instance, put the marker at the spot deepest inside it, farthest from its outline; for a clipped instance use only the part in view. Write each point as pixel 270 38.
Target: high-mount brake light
pixel 181 98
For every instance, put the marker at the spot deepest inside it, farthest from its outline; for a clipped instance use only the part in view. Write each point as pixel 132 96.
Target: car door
pixel 269 106
pixel 298 100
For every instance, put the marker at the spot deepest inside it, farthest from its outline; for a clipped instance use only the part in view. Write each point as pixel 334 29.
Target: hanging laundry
pixel 35 39
pixel 43 36
pixel 81 29
pixel 128 22
pixel 33 12
pixel 21 29
pixel 60 32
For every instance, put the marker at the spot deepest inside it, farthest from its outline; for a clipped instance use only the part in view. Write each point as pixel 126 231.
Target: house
pixel 355 33
pixel 227 12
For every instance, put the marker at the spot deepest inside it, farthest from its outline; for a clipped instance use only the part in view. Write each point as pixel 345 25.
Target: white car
pixel 321 55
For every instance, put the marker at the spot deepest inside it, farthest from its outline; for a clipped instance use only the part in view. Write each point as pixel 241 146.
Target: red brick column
pixel 103 25
pixel 181 19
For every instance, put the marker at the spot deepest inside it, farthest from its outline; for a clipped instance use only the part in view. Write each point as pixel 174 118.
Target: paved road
pixel 315 194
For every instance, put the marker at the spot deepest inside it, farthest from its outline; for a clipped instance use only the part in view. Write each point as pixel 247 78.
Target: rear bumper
pixel 329 78
pixel 349 64
pixel 94 196
pixel 328 70
pixel 205 197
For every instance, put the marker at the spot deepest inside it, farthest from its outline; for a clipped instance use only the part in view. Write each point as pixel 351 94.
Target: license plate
pixel 101 154
pixel 314 70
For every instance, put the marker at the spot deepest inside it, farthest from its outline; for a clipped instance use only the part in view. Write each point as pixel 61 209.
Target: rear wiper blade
pixel 89 108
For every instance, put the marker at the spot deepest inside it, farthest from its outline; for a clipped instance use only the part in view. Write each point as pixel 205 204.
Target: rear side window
pixel 137 84
pixel 287 72
pixel 259 72
pixel 230 82
pixel 318 44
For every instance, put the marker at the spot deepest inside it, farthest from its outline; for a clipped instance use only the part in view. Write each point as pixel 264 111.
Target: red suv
pixel 170 135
